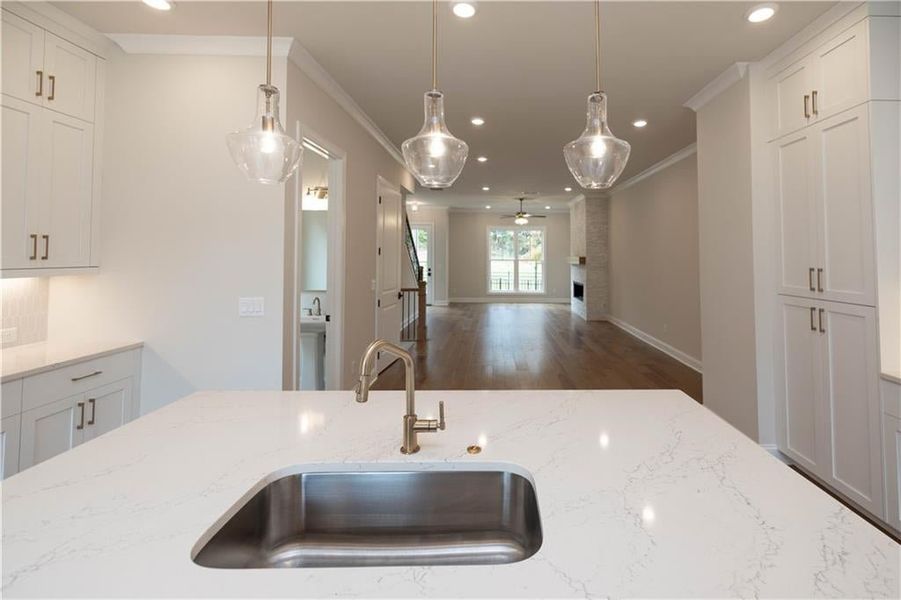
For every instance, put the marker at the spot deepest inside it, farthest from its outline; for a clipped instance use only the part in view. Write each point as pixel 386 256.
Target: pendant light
pixel 263 151
pixel 597 158
pixel 435 156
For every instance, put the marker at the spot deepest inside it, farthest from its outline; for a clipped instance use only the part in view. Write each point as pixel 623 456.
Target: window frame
pixel 516 260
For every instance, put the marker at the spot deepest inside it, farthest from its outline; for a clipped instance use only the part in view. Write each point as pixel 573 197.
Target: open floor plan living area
pixel 450 299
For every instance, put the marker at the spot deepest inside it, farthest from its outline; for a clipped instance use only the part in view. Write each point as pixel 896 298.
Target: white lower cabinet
pixel 827 393
pixel 9 445
pixel 51 429
pixel 107 408
pixel 892 438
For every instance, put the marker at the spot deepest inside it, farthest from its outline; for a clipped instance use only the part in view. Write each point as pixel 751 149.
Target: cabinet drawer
pixel 11 398
pixel 74 379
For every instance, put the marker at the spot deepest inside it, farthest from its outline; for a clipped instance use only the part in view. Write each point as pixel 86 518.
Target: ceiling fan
pixel 521 217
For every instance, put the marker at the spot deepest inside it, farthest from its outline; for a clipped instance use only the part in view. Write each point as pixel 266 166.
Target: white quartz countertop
pixel 641 493
pixel 31 359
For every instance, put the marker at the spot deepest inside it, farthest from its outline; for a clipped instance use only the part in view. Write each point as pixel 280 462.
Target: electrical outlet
pixel 250 307
pixel 9 335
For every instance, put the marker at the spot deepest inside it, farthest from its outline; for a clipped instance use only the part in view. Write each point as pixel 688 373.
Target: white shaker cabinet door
pixel 892 437
pixel 107 408
pixel 799 414
pixel 51 429
pixel 71 73
pixel 23 59
pixel 9 445
pixel 840 73
pixel 796 213
pixel 23 153
pixel 850 367
pixel 791 89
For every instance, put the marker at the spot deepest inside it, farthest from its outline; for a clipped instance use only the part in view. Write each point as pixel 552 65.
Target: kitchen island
pixel 641 493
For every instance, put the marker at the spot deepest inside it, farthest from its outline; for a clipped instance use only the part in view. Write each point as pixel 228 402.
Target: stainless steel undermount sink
pixel 380 518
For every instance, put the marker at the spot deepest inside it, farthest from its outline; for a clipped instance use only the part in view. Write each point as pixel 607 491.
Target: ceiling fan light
pixel 521 220
pixel 434 155
pixel 597 157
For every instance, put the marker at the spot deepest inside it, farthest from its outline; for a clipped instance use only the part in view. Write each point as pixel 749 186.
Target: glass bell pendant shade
pixel 598 157
pixel 435 156
pixel 263 151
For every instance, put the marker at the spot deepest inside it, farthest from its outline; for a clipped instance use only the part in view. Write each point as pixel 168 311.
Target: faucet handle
pixel 441 423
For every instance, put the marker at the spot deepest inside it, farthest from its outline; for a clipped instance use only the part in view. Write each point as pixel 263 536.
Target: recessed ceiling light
pixel 567 189
pixel 464 10
pixel 488 206
pixel 486 188
pixel 547 208
pixel 159 4
pixel 482 159
pixel 761 13
pixel 639 123
pixel 477 121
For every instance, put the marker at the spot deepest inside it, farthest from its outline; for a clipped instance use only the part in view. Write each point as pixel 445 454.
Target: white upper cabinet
pixel 71 74
pixel 840 73
pixel 23 59
pixel 791 92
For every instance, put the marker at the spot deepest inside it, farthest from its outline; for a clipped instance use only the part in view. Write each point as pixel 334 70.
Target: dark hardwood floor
pixel 534 346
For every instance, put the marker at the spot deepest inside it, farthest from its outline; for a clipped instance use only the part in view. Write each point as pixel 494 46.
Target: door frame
pixel 430 279
pixel 337 179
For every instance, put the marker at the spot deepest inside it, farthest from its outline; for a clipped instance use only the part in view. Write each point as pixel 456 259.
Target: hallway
pixel 534 346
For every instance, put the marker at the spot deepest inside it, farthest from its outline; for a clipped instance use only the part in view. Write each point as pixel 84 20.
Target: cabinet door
pixel 108 407
pixel 788 90
pixel 850 368
pixel 844 208
pixel 799 416
pixel 73 71
pixel 23 155
pixel 796 213
pixel 840 73
pixel 69 196
pixel 51 429
pixel 9 445
pixel 892 437
pixel 23 59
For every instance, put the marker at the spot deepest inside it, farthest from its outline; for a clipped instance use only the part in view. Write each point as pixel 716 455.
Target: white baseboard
pixel 772 449
pixel 682 357
pixel 511 300
pixel 440 303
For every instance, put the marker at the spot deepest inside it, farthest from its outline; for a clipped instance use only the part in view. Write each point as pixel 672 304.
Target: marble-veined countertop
pixel 641 493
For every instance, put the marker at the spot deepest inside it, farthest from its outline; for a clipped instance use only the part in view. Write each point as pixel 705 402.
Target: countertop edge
pixel 75 359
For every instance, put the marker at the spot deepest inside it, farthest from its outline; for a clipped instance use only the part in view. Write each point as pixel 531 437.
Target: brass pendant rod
pixel 597 43
pixel 434 44
pixel 269 45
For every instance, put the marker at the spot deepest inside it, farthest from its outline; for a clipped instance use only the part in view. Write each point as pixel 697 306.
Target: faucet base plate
pixel 413 451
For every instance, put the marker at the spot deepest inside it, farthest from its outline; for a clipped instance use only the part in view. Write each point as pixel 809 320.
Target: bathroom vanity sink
pixel 380 518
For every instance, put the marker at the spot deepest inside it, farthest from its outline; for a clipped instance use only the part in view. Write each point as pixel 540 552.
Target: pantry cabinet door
pixel 108 407
pixel 23 59
pixel 844 208
pixel 73 71
pixel 68 166
pixel 850 368
pixel 23 153
pixel 799 415
pixel 796 214
pixel 51 429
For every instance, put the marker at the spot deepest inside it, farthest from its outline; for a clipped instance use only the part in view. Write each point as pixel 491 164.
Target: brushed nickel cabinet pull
pixel 813 314
pixel 93 403
pixel 46 254
pixel 810 280
pixel 819 280
pixel 81 422
pixel 52 79
pixel 813 102
pixel 40 91
pixel 822 329
pixel 34 246
pixel 806 106
pixel 80 377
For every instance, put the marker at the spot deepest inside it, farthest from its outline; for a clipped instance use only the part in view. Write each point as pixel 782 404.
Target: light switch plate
pixel 251 307
pixel 9 335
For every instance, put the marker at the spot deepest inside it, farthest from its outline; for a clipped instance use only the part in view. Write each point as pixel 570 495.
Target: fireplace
pixel 578 291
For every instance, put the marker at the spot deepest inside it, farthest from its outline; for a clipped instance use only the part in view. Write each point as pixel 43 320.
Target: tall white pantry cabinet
pixel 835 132
pixel 52 108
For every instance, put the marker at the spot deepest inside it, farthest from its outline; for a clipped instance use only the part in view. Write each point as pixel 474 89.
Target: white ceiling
pixel 526 67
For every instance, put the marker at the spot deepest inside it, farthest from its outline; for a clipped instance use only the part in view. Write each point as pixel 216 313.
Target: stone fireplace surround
pixel 589 218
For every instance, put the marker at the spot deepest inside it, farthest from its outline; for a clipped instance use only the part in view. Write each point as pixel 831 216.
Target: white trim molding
pixel 774 451
pixel 200 45
pixel 503 299
pixel 656 168
pixel 682 357
pixel 732 75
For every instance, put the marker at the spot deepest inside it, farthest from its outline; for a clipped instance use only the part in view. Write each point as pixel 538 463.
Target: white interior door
pixel 24 151
pixel 389 238
pixel 424 240
pixel 23 59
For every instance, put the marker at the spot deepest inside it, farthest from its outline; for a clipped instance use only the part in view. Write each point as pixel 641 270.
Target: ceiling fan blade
pixel 508 216
pixel 538 216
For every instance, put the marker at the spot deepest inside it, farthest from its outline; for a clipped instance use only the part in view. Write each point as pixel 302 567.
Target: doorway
pixel 389 241
pixel 424 242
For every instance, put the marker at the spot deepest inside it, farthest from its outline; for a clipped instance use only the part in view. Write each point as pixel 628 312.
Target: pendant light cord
pixel 434 44
pixel 597 43
pixel 269 45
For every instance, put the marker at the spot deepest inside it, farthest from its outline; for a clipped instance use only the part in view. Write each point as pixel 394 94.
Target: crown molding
pixel 200 45
pixel 733 74
pixel 657 167
pixel 63 24
pixel 304 61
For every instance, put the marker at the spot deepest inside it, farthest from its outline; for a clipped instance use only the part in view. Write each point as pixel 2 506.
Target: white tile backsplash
pixel 24 308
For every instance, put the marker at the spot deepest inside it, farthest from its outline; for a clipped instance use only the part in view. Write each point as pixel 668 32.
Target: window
pixel 515 260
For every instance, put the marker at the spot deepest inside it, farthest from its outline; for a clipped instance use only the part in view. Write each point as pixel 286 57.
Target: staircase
pixel 413 300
